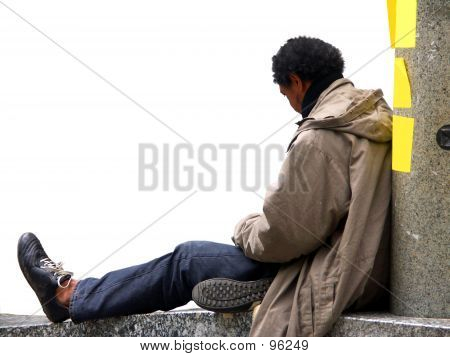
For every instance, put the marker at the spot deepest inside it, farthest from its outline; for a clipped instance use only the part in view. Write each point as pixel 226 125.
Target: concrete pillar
pixel 421 199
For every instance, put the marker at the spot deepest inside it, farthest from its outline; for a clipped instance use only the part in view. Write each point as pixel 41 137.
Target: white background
pixel 69 141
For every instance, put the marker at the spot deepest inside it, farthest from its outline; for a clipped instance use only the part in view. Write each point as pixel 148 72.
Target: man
pixel 322 236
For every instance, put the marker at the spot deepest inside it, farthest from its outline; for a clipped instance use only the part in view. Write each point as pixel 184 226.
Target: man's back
pixel 328 217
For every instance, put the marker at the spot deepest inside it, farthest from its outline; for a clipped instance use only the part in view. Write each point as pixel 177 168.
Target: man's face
pixel 295 91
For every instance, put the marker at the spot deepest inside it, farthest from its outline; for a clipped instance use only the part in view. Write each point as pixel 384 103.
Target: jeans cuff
pixel 73 303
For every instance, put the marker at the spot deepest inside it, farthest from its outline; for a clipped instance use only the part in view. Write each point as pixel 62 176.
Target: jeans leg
pixel 163 283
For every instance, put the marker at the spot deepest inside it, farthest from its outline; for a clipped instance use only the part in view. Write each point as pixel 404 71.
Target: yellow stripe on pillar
pixel 402 87
pixel 402 23
pixel 402 142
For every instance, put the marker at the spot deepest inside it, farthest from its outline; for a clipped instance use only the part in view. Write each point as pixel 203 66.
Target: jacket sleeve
pixel 300 212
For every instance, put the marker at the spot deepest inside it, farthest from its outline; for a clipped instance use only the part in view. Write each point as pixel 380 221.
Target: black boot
pixel 43 275
pixel 227 295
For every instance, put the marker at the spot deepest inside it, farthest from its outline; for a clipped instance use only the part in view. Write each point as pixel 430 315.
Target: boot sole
pixel 227 295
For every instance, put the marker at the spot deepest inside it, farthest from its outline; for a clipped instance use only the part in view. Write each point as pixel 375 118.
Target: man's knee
pixel 197 248
pixel 186 249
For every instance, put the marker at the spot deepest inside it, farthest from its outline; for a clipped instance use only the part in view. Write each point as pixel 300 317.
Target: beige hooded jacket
pixel 327 219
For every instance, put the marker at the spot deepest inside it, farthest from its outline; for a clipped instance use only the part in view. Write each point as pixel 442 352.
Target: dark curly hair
pixel 309 58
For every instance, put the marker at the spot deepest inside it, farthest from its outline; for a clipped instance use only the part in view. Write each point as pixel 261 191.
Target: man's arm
pixel 301 212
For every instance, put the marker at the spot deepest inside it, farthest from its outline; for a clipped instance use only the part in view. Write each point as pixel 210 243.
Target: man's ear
pixel 296 82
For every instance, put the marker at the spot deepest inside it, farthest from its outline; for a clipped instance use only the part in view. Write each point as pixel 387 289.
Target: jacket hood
pixel 342 107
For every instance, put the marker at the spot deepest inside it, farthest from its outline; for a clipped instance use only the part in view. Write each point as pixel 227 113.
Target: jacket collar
pixel 337 82
pixel 315 90
pixel 371 97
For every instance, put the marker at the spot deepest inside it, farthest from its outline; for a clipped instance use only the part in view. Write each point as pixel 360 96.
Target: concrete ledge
pixel 389 325
pixel 198 322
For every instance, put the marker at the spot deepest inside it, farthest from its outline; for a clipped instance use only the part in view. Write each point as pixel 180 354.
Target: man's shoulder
pixel 332 146
pixel 322 139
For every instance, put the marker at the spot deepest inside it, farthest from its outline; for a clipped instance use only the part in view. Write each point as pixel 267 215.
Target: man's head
pixel 299 62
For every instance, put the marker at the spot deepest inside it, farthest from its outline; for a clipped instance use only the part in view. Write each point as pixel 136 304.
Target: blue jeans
pixel 163 283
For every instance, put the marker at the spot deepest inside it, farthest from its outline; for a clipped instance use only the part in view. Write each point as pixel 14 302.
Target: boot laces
pixel 57 270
